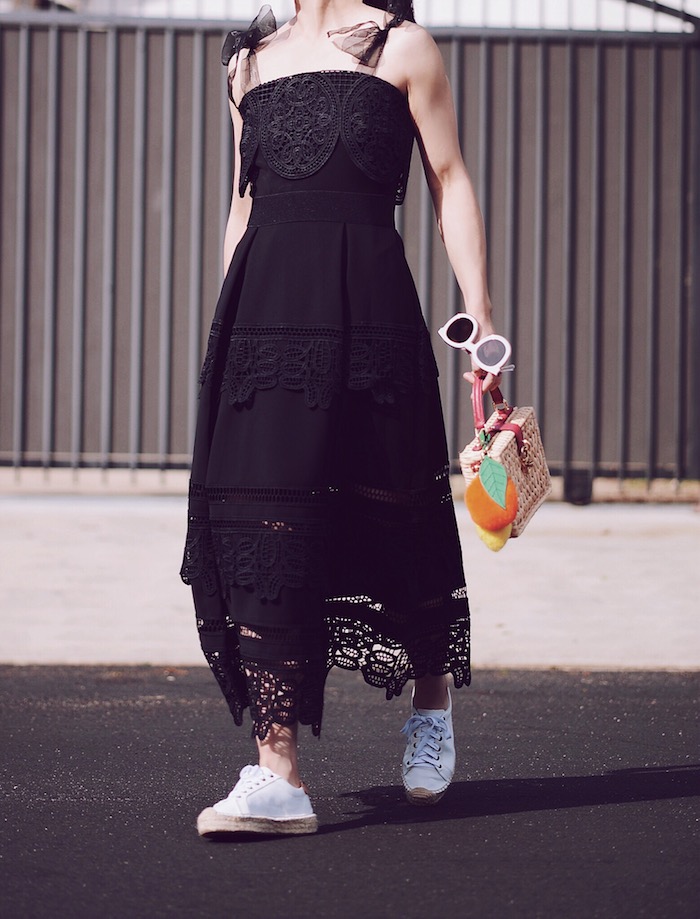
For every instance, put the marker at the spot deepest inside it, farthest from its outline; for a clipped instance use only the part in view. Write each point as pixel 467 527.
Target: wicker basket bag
pixel 511 437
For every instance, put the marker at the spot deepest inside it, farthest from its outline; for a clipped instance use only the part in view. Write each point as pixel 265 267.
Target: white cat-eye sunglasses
pixel 491 353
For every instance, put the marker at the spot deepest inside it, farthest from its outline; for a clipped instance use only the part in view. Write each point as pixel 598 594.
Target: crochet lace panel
pixel 301 125
pixel 247 547
pixel 277 689
pixel 318 362
pixel 286 691
pixel 297 121
pixel 265 539
pixel 212 347
pixel 280 672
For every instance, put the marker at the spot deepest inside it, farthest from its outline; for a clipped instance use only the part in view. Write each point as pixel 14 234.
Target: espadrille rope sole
pixel 422 797
pixel 211 823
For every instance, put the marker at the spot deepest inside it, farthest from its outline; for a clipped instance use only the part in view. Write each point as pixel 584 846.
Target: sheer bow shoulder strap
pixel 400 8
pixel 364 41
pixel 261 27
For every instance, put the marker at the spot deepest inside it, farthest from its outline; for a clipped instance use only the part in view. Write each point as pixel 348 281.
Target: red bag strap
pixel 499 403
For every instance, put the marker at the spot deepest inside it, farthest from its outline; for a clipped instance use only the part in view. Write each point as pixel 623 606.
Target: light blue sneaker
pixel 429 761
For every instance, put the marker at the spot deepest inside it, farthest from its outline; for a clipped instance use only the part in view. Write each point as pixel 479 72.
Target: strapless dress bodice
pixel 330 130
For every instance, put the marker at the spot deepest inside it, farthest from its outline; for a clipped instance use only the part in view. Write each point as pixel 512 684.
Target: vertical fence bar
pixel 108 246
pixel 48 423
pixel 596 254
pixel 227 152
pixel 453 293
pixel 166 251
pixel 681 330
pixel 137 251
pixel 21 254
pixel 685 335
pixel 511 229
pixel 568 255
pixel 652 323
pixel 540 231
pixel 79 241
pixel 693 287
pixel 196 193
pixel 484 184
pixel 624 263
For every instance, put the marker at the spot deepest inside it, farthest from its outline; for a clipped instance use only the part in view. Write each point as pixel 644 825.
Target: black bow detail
pixel 263 25
pixel 365 41
pixel 402 9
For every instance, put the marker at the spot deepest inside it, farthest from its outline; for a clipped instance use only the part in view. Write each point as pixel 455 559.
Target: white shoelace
pixel 250 777
pixel 430 731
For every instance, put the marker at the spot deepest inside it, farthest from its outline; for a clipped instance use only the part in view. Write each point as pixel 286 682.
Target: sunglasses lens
pixel 491 352
pixel 460 330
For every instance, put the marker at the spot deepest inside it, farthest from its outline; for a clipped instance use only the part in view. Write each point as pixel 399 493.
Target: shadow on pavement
pixel 387 804
pixel 513 796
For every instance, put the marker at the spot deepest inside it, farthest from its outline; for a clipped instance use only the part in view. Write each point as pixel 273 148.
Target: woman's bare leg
pixel 431 693
pixel 278 752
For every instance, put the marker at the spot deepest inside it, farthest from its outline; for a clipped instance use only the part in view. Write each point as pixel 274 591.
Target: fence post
pixel 693 281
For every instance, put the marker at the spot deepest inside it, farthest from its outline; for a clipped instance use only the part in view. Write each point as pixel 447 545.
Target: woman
pixel 321 527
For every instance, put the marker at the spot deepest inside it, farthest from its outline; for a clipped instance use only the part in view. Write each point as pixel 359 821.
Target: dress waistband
pixel 329 206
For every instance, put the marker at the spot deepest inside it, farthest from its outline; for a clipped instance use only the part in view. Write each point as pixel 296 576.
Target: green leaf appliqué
pixel 494 478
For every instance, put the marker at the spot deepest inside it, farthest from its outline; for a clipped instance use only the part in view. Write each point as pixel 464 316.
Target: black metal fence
pixel 115 174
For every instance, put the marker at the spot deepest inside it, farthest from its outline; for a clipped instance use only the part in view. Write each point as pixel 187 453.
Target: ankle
pixel 278 753
pixel 289 771
pixel 431 693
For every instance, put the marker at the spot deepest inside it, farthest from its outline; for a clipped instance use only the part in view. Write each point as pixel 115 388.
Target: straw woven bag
pixel 511 437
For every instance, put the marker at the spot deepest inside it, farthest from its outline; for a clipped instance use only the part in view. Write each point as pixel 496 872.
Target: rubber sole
pixel 212 823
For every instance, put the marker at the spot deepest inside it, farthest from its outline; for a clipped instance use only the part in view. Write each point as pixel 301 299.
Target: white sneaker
pixel 429 761
pixel 261 802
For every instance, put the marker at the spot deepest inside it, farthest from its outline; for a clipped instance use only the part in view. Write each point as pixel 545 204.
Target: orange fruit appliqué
pixel 485 512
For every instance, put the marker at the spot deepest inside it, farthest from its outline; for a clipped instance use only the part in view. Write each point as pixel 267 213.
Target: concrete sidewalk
pixel 94 580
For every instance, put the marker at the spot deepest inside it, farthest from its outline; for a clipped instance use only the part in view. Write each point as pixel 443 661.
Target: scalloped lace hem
pixel 289 691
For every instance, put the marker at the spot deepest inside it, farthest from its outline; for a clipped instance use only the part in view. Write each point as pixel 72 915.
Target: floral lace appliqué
pixel 212 351
pixel 267 556
pixel 301 125
pixel 377 134
pixel 386 360
pixel 249 142
pixel 297 121
pixel 307 361
pixel 199 561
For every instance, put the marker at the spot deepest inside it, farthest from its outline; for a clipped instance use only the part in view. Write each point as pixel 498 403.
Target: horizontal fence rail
pixel 115 173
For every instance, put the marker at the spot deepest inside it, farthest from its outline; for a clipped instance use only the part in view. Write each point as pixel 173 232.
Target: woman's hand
pixel 489 380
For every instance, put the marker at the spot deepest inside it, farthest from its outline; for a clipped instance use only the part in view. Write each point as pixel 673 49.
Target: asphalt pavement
pixel 578 782
pixel 576 795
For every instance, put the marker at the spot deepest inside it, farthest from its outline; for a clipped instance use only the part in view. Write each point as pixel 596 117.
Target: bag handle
pixel 499 403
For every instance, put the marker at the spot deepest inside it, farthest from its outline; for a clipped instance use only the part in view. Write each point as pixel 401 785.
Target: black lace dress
pixel 321 526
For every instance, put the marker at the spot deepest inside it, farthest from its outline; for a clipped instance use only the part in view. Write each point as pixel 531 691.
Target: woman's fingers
pixel 489 381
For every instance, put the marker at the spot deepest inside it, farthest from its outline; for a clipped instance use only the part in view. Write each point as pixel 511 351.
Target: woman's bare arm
pixel 458 213
pixel 457 210
pixel 240 207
